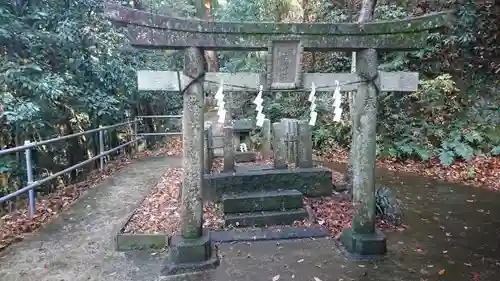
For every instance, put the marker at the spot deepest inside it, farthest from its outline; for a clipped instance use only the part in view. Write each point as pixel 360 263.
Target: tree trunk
pixel 210 56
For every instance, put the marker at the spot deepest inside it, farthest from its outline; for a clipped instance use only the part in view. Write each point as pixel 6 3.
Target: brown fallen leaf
pixel 442 272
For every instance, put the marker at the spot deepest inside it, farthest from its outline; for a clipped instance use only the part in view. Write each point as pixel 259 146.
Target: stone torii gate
pixel 192 250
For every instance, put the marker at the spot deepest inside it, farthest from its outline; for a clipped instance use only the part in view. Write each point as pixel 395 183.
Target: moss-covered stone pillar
pixel 192 145
pixel 266 139
pixel 363 238
pixel 228 149
pixel 192 250
pixel 304 145
pixel 279 145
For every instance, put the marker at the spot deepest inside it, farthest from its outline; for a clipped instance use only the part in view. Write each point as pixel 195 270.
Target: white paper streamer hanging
pixel 313 107
pixel 219 96
pixel 258 100
pixel 336 92
pixel 312 98
pixel 259 107
pixel 314 116
pixel 337 114
pixel 337 103
pixel 312 94
pixel 222 116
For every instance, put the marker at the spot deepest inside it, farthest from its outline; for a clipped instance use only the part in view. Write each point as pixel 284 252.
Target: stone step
pixel 276 200
pixel 265 218
pixel 242 157
pixel 312 182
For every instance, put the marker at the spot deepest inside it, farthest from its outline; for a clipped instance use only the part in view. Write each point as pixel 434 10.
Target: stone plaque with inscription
pixel 285 64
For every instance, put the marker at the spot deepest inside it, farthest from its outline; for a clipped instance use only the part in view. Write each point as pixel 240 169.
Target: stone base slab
pixel 241 157
pixel 264 234
pixel 364 244
pixel 262 201
pixel 190 255
pixel 264 218
pixel 171 268
pixel 138 241
pixel 312 182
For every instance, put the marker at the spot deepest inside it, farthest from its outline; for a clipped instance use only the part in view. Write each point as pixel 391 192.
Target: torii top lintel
pixel 148 30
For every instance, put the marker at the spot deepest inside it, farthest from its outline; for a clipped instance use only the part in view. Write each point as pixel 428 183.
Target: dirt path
pixel 79 245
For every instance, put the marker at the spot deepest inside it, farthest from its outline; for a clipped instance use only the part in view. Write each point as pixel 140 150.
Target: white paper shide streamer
pixel 337 103
pixel 258 102
pixel 312 99
pixel 219 97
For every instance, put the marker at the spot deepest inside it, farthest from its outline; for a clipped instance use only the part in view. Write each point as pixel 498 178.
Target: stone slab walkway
pixel 79 245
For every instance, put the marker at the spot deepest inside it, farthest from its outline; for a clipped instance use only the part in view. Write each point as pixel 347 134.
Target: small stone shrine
pixel 272 194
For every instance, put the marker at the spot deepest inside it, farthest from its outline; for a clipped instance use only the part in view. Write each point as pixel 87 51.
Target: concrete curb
pixel 140 241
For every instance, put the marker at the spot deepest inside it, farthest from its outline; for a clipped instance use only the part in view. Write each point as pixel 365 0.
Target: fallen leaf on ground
pixel 159 212
pixel 276 278
pixel 486 168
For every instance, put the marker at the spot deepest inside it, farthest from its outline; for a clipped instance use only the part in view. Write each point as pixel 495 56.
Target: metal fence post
pixel 29 175
pixel 101 148
pixel 136 143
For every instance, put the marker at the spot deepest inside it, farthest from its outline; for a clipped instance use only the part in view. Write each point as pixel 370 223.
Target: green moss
pixel 418 24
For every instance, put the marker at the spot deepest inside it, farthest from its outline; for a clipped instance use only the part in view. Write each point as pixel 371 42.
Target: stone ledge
pixel 313 182
pixel 171 268
pixel 274 200
pixel 191 255
pixel 364 245
pixel 265 218
pixel 263 234
pixel 139 241
pixel 241 157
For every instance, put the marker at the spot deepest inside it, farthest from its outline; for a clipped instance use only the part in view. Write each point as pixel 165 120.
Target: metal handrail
pixel 67 170
pixel 38 143
pixel 160 116
pixel 29 169
pixel 29 145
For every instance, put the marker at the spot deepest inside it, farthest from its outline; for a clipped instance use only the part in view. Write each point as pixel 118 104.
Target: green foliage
pixel 455 113
pixel 388 206
pixel 64 71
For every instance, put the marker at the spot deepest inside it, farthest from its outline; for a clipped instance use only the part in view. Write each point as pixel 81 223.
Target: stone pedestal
pixel 190 255
pixel 279 146
pixel 290 134
pixel 304 145
pixel 266 140
pixel 364 244
pixel 228 149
